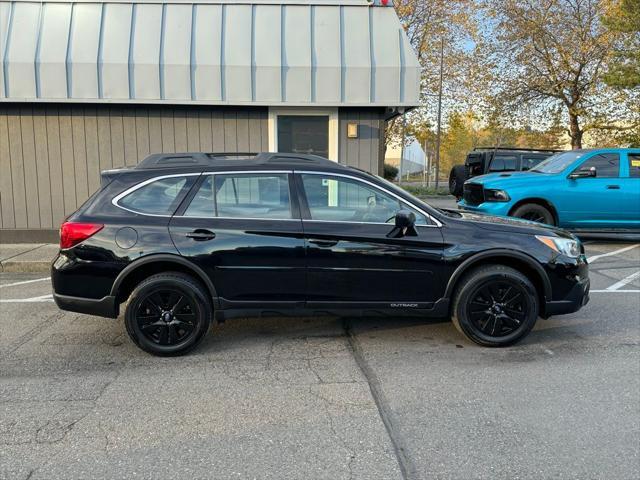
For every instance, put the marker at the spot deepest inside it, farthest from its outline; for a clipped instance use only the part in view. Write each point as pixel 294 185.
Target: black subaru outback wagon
pixel 183 239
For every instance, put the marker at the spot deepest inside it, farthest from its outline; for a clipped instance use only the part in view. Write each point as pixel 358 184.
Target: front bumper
pixel 489 208
pixel 102 307
pixel 575 298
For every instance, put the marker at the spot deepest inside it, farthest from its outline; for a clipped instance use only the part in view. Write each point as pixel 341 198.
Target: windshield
pixel 557 163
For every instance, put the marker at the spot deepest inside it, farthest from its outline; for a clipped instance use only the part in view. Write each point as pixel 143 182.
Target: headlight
pixel 496 196
pixel 565 246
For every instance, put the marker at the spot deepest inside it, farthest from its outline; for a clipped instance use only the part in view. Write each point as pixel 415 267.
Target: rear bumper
pixel 102 307
pixel 577 298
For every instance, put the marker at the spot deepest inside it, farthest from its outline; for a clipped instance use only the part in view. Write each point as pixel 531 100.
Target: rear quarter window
pixel 158 197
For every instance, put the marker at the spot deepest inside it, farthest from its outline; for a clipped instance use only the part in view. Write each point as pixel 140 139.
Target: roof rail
pixel 519 149
pixel 200 159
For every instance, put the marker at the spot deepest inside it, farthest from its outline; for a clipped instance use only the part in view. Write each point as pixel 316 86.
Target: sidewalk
pixel 27 257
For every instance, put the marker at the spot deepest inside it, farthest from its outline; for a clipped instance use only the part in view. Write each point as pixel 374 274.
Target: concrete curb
pixel 25 267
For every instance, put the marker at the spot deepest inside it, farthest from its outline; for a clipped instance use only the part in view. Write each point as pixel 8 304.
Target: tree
pixel 623 17
pixel 550 53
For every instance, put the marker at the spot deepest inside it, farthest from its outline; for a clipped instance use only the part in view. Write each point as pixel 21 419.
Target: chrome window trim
pixel 436 222
pixel 129 190
pixel 115 200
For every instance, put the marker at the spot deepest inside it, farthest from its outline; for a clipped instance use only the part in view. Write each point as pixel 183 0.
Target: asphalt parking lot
pixel 325 398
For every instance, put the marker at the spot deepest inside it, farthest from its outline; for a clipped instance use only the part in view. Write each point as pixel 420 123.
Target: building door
pixel 308 134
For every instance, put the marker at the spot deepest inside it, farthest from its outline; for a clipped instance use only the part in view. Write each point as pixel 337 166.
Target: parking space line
pixel 41 298
pixel 624 281
pixel 25 282
pixel 615 252
pixel 614 291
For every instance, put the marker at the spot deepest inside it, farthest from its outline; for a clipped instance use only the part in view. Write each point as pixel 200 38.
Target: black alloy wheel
pixel 535 213
pixel 168 314
pixel 495 306
pixel 166 317
pixel 498 308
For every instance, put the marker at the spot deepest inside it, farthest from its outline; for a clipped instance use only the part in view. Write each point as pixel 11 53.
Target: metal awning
pixel 285 53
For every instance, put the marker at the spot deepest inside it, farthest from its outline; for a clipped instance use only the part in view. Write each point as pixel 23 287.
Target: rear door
pixel 630 186
pixel 244 230
pixel 352 262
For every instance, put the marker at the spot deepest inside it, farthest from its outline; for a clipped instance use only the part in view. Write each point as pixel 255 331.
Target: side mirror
pixel 405 225
pixel 584 173
pixel 405 219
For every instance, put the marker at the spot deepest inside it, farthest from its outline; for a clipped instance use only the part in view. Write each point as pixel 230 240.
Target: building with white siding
pixel 92 85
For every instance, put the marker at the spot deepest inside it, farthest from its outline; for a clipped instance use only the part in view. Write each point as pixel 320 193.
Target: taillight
pixel 72 233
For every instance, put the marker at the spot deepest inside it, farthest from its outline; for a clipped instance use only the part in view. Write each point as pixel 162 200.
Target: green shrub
pixel 390 172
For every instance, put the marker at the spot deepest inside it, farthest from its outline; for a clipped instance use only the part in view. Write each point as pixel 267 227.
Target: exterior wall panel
pixel 83 52
pixel 52 50
pixel 145 52
pixel 20 50
pixel 364 152
pixel 51 155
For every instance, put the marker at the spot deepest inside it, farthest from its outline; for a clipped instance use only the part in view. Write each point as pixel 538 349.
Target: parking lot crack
pixel 407 469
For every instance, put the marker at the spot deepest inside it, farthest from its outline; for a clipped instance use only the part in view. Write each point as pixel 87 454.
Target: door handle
pixel 324 243
pixel 201 235
pixel 613 187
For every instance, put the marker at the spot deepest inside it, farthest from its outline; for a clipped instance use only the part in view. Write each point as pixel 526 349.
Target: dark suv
pixel 183 239
pixel 492 160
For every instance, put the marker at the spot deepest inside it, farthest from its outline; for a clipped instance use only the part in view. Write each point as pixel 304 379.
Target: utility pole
pixel 439 132
pixel 404 127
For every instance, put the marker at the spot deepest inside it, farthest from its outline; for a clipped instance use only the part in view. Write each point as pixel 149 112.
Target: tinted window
pixel 501 163
pixel 634 165
pixel 160 197
pixel 529 162
pixel 340 199
pixel 242 196
pixel 557 163
pixel 607 165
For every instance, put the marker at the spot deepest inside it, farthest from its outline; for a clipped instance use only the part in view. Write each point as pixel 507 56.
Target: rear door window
pixel 158 197
pixel 503 163
pixel 263 195
pixel 634 165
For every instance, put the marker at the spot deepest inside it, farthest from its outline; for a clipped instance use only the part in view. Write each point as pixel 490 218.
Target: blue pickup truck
pixel 582 190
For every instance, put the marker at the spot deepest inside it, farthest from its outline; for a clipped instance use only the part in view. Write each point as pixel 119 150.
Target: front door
pixel 244 230
pixel 351 261
pixel 594 202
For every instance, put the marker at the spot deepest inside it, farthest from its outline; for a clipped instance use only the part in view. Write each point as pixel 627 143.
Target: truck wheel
pixel 457 178
pixel 535 213
pixel 495 306
pixel 168 314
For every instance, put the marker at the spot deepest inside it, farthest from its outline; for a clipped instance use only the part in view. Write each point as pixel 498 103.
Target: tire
pixel 457 178
pixel 168 314
pixel 502 322
pixel 535 213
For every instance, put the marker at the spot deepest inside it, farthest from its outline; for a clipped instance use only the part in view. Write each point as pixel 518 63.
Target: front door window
pixel 307 134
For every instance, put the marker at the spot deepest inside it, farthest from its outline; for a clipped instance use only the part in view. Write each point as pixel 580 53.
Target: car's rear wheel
pixel 168 314
pixel 457 178
pixel 535 213
pixel 495 306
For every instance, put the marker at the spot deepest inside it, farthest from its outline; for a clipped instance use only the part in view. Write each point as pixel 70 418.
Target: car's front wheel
pixel 168 314
pixel 495 306
pixel 535 213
